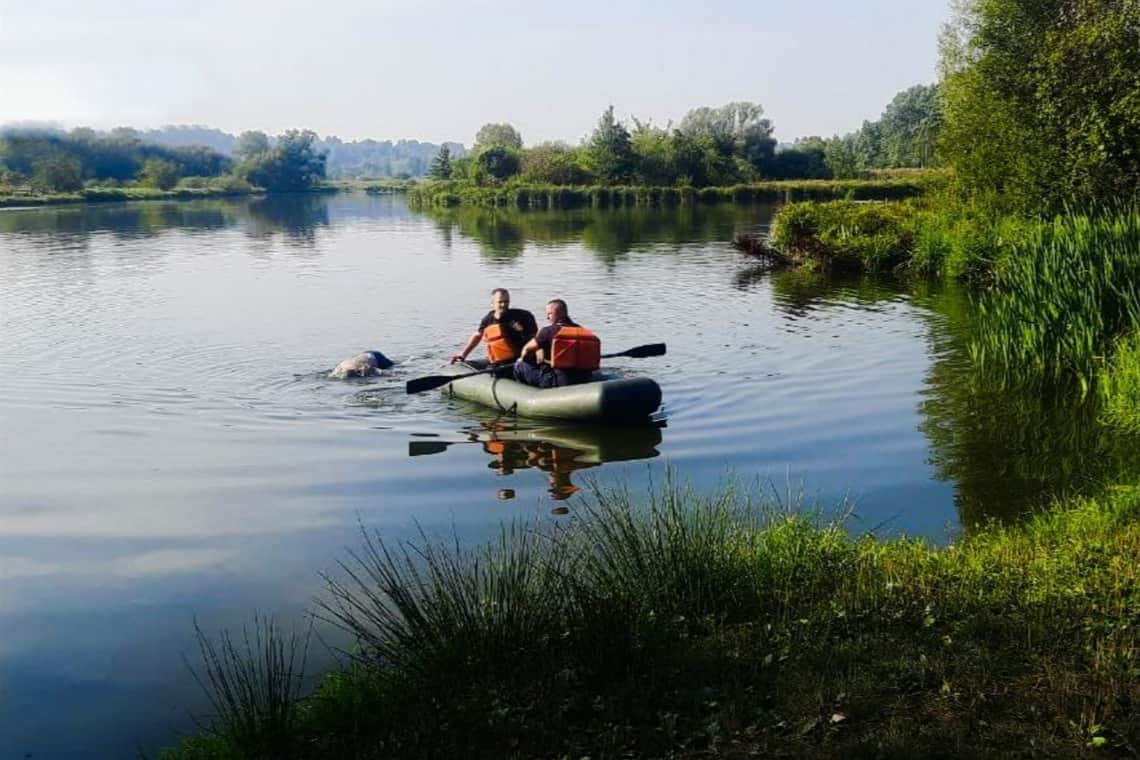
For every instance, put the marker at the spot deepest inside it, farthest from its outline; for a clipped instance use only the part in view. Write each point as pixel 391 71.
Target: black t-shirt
pixel 546 334
pixel 518 326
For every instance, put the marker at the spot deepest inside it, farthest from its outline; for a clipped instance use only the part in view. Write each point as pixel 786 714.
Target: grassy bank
pixel 186 192
pixel 713 625
pixel 454 193
pixel 118 194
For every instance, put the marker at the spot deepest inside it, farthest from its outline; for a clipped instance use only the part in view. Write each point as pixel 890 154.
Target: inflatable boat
pixel 605 399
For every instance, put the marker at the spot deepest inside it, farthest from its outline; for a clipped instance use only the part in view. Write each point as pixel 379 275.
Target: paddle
pixel 420 384
pixel 419 448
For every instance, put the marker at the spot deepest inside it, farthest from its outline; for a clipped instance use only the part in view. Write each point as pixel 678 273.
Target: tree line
pixel 710 146
pixel 49 161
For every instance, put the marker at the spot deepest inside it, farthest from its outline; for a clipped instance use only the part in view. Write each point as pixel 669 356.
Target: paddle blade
pixel 421 448
pixel 421 384
pixel 641 352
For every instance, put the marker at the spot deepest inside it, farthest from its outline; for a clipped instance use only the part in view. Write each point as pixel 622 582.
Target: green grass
pixel 1119 385
pixel 691 625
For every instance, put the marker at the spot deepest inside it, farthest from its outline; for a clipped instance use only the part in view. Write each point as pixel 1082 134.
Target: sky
pixel 434 70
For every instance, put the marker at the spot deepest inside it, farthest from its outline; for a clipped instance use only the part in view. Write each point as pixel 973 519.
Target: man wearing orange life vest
pixel 504 330
pixel 567 352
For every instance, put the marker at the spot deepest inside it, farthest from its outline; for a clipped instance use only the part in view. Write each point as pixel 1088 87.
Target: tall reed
pixel 254 685
pixel 1066 290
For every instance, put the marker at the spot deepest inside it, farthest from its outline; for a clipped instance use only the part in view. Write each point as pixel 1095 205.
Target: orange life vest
pixel 575 348
pixel 499 349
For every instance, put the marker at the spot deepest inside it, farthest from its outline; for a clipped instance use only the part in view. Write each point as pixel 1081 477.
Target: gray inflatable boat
pixel 605 399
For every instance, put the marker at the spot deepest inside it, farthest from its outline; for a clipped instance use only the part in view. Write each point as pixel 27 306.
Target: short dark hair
pixel 504 291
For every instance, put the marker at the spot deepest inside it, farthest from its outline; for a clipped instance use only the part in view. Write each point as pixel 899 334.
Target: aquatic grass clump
pixel 1119 385
pixel 254 686
pixel 439 611
pixel 1067 289
pixel 682 554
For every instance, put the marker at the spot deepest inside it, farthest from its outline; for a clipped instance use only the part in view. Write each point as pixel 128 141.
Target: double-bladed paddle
pixel 420 384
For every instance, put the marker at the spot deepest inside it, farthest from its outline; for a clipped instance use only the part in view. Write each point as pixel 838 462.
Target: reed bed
pixel 688 625
pixel 538 196
pixel 1068 288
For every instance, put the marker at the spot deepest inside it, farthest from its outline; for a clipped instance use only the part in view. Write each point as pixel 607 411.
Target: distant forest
pixel 357 158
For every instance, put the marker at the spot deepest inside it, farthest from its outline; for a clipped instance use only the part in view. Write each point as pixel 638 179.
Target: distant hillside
pixel 359 158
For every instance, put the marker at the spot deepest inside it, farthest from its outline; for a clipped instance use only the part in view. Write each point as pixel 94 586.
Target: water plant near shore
pixel 697 623
pixel 1068 288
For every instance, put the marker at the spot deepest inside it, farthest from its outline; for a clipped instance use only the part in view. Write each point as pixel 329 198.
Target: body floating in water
pixel 364 364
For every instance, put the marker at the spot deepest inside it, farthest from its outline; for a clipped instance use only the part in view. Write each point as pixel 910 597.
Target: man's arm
pixel 530 348
pixel 471 343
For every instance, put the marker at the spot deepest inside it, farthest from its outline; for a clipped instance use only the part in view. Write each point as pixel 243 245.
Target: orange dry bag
pixel 499 349
pixel 575 348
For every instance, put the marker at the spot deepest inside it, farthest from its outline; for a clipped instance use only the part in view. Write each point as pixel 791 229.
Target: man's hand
pixel 457 358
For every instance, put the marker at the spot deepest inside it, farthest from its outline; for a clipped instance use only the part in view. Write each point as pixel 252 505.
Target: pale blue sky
pixel 436 70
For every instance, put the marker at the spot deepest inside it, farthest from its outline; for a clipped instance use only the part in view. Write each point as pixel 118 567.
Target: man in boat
pixel 504 331
pixel 364 364
pixel 566 352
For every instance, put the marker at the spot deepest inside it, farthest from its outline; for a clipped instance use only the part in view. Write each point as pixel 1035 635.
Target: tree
pixel 553 163
pixel 806 159
pixel 496 162
pixel 58 172
pixel 909 126
pixel 842 159
pixel 159 173
pixel 736 129
pixel 610 149
pixel 292 164
pixel 251 143
pixel 1041 100
pixel 498 134
pixel 441 164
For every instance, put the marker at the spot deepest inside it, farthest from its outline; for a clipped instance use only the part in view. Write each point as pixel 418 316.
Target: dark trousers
pixel 545 376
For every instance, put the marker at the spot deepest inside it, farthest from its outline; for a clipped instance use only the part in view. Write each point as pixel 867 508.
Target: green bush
pixel 846 235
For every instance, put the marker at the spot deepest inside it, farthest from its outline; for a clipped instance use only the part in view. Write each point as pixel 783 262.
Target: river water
pixel 171 449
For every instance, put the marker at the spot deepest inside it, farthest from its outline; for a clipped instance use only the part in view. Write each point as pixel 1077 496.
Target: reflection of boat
pixel 606 399
pixel 555 450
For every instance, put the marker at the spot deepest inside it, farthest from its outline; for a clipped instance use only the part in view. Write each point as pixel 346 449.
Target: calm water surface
pixel 170 447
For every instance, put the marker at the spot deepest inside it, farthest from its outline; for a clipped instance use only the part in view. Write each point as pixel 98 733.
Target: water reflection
pixel 504 233
pixel 1008 450
pixel 554 449
pixel 798 292
pixel 296 218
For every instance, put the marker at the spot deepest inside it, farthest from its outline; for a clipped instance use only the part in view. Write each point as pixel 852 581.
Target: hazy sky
pixel 436 70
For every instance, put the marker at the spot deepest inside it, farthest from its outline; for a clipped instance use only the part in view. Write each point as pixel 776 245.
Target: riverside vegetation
pixel 705 626
pixel 699 625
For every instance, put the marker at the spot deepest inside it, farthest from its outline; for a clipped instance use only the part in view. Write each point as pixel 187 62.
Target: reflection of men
pixel 567 352
pixel 504 330
pixel 556 461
